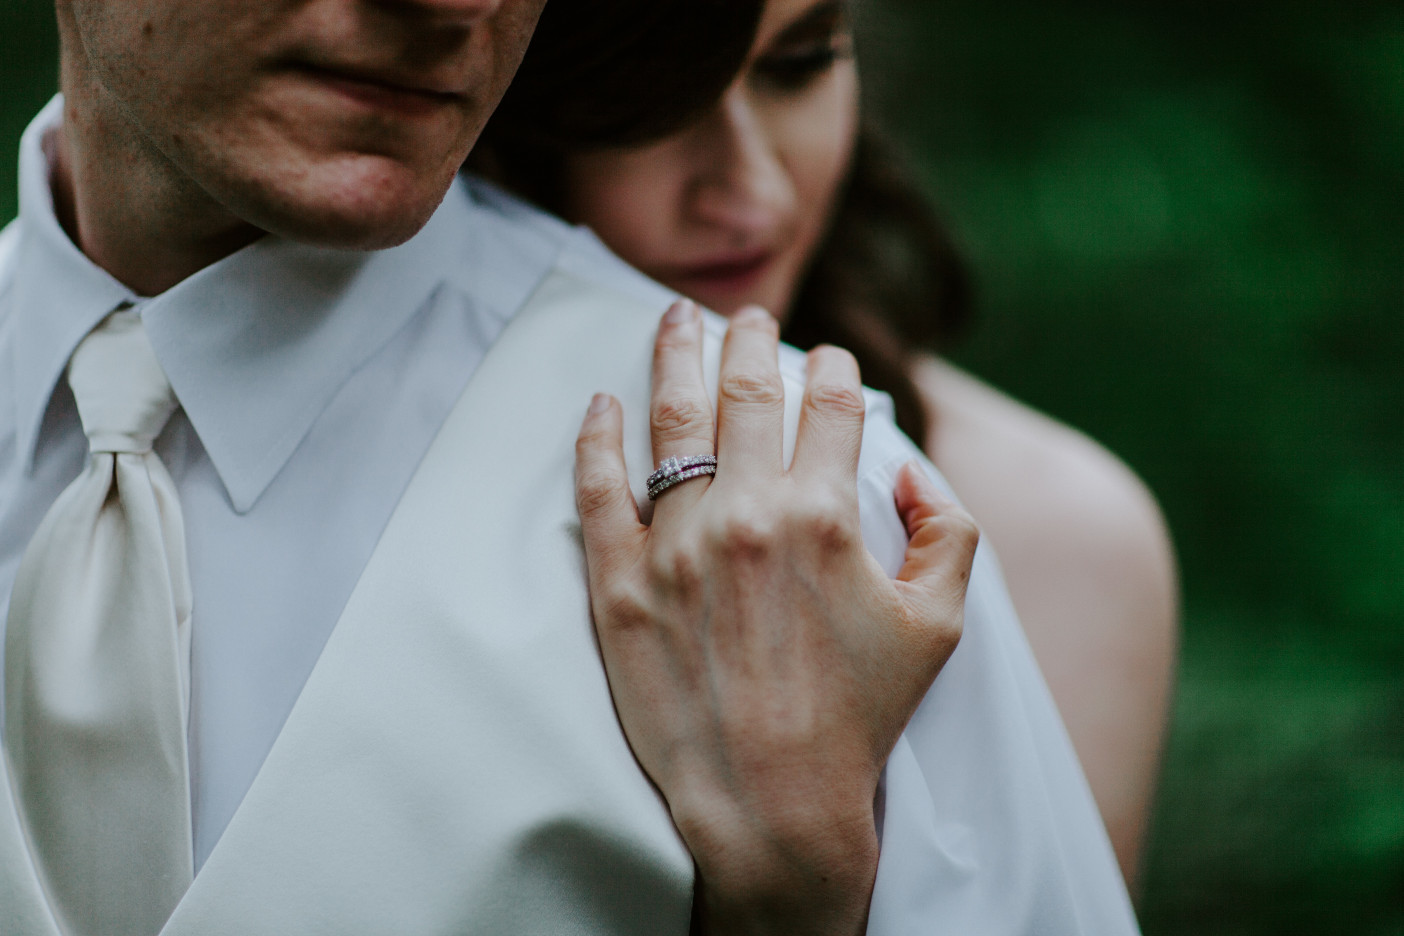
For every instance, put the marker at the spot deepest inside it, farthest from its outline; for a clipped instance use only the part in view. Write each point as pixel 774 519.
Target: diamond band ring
pixel 673 471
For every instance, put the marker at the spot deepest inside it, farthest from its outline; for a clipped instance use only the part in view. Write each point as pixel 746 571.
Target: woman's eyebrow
pixel 820 19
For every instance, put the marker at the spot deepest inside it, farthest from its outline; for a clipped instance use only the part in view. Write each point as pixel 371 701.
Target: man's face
pixel 339 122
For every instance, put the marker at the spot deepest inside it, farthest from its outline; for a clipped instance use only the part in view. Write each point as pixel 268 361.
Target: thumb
pixel 941 540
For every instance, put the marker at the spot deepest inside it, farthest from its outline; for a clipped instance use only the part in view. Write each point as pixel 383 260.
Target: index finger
pixel 609 518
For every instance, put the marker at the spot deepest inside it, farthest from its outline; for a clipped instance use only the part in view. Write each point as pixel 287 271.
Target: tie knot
pixel 123 396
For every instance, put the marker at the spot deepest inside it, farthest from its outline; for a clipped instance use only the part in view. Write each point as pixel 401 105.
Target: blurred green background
pixel 1187 223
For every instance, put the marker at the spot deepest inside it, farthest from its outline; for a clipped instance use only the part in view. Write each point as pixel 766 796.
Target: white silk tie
pixel 97 660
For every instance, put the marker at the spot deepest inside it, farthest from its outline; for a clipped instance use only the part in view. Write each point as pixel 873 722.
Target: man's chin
pixel 349 231
pixel 360 213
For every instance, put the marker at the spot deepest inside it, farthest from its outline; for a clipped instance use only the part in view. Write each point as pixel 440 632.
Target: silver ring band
pixel 673 471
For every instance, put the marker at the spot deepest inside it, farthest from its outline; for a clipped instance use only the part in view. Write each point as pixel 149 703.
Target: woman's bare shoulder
pixel 1092 573
pixel 1020 465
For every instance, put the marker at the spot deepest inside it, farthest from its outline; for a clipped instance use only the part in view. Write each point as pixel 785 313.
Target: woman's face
pixel 731 209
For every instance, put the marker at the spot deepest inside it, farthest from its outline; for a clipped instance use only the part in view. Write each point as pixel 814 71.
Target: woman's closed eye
pixel 804 51
pixel 794 70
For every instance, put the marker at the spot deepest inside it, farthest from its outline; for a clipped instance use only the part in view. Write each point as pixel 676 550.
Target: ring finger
pixel 680 416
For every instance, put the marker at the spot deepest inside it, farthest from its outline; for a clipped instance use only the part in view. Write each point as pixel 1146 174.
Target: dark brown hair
pixel 610 73
pixel 885 282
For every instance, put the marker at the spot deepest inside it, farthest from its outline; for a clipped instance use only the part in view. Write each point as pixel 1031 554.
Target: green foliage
pixel 28 78
pixel 1187 221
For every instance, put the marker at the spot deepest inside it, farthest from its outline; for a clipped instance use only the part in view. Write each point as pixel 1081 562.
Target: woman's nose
pixel 741 180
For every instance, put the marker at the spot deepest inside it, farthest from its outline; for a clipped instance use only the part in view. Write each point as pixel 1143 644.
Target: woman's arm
pixel 762 664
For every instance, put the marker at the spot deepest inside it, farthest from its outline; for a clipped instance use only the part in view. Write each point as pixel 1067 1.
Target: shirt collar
pixel 255 346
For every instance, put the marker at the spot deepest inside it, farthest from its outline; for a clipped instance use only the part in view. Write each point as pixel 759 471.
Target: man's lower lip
pixel 377 96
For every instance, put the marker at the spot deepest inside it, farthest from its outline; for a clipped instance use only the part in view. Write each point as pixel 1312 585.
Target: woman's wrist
pixel 807 872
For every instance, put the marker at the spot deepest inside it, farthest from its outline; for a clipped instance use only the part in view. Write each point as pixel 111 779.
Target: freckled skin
pixel 192 131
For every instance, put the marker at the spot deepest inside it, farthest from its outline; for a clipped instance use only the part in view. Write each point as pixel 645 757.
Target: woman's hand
pixel 762 664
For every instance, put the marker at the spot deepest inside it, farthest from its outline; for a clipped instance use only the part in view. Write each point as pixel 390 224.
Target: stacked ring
pixel 673 471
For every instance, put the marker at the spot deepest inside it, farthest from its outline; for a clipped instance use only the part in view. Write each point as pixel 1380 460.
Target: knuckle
pixel 746 536
pixel 837 399
pixel 620 606
pixel 598 492
pixel 752 389
pixel 823 518
pixel 677 416
pixel 951 528
pixel 677 567
pixel 962 529
pixel 832 532
pixel 950 633
pixel 675 338
pixel 945 637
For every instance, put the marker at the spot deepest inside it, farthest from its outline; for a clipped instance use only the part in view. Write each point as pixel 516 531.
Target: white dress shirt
pixel 311 383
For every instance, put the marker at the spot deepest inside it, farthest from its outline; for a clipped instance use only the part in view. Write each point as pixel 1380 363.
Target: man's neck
pixel 125 205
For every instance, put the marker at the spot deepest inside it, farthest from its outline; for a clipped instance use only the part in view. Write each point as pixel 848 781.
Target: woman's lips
pixel 728 275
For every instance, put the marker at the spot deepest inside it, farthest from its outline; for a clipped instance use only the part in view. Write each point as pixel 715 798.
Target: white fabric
pixel 285 358
pixel 95 660
pixel 376 780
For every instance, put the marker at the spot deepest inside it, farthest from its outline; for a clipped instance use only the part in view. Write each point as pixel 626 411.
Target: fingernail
pixel 752 313
pixel 681 312
pixel 599 403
